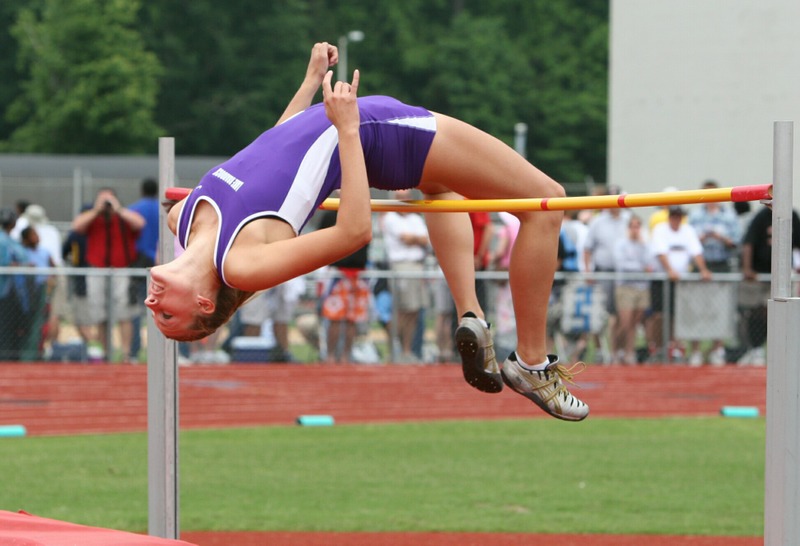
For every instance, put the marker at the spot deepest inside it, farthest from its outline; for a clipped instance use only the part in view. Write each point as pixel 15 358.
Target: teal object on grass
pixel 12 431
pixel 739 411
pixel 315 420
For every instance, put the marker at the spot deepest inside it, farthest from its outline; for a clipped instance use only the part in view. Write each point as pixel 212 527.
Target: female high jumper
pixel 241 226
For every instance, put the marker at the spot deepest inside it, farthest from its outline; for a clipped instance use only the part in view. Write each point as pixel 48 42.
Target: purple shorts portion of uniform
pixel 396 139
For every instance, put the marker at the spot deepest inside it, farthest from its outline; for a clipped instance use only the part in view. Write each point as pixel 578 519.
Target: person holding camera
pixel 111 231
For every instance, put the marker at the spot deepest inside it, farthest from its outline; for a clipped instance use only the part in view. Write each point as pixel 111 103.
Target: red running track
pixel 69 398
pixel 54 399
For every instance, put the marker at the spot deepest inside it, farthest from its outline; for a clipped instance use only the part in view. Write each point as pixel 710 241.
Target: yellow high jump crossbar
pixel 734 194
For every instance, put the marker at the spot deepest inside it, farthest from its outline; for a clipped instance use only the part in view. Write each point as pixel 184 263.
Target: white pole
pixel 341 72
pixel 521 138
pixel 162 389
pixel 782 478
pixel 77 191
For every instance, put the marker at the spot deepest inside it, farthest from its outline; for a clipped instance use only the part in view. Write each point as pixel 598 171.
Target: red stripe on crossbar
pixel 176 194
pixel 544 203
pixel 751 193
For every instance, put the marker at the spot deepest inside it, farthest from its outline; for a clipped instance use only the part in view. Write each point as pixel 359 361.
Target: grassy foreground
pixel 667 476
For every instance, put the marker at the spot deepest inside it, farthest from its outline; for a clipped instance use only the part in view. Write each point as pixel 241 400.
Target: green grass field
pixel 664 476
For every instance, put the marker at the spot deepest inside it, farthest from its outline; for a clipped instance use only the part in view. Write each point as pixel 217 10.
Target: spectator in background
pixel 282 301
pixel 575 227
pixel 718 229
pixel 753 295
pixel 38 289
pixel 50 240
pixel 346 302
pixel 12 317
pixel 111 231
pixel 744 215
pixel 675 246
pixel 632 255
pixel 73 253
pixel 505 324
pixel 568 262
pixel 20 206
pixel 661 214
pixel 604 231
pixel 482 231
pixel 406 238
pixel 274 307
pixel 49 237
pixel 146 247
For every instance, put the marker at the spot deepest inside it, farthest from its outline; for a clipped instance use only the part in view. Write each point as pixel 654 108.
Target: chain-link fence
pixel 97 315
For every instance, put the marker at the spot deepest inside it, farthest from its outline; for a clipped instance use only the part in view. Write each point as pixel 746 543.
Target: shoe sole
pixel 544 407
pixel 472 363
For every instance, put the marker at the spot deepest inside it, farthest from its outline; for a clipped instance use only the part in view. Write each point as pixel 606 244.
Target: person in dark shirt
pixel 753 295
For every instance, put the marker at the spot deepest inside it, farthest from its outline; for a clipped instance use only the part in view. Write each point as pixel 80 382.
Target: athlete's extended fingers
pixel 326 83
pixel 356 78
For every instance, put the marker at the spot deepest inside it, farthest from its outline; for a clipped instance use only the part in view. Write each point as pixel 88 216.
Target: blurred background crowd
pixel 680 284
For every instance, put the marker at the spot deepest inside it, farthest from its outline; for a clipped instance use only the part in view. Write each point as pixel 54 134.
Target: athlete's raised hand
pixel 323 57
pixel 341 106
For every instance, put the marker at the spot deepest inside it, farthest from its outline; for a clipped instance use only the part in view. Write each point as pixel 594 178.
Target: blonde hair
pixel 228 301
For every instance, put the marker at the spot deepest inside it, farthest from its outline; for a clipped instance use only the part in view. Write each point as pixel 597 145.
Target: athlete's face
pixel 170 299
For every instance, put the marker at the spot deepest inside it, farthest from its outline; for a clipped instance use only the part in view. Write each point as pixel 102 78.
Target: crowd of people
pixel 105 234
pixel 625 270
pixel 613 268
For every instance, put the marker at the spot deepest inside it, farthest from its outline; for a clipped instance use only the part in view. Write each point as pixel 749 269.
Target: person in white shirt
pixel 632 297
pixel 676 247
pixel 406 239
pixel 602 235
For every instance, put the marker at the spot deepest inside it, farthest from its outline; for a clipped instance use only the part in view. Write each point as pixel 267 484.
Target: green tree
pixel 230 68
pixel 484 90
pixel 10 88
pixel 90 86
pixel 564 100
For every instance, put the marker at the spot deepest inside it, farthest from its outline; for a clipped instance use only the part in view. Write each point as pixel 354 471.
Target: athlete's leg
pixel 467 161
pixel 451 237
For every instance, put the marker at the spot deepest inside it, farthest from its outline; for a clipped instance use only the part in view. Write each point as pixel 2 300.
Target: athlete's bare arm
pixel 259 266
pixel 323 56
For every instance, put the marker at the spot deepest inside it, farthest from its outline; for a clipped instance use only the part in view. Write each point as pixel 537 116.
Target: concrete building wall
pixel 695 86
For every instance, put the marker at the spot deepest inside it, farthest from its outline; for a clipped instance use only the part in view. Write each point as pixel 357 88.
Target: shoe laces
pixel 567 374
pixel 558 373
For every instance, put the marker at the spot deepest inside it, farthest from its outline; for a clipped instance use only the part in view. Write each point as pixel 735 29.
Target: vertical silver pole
pixel 341 73
pixel 782 210
pixel 162 389
pixel 521 138
pixel 782 474
pixel 77 191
